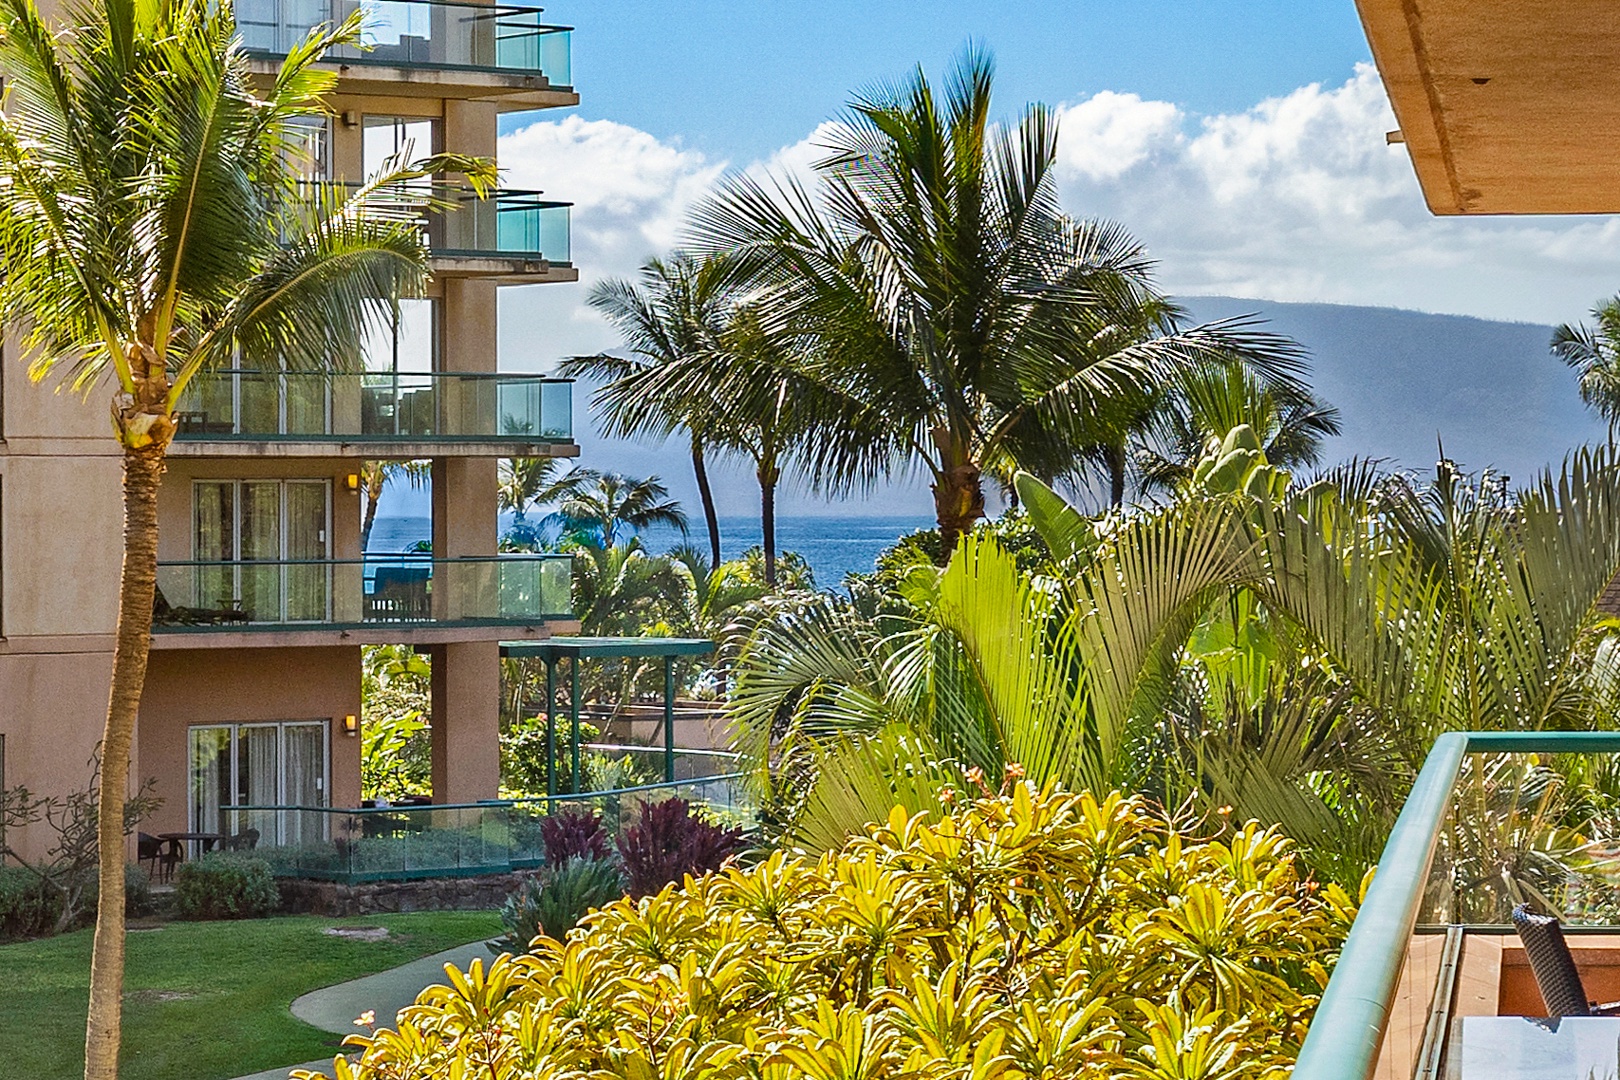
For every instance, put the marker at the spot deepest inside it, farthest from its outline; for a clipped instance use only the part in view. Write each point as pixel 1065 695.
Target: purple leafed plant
pixel 574 834
pixel 667 842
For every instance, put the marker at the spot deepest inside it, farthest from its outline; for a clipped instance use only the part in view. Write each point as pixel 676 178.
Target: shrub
pixel 29 907
pixel 1026 935
pixel 137 891
pixel 555 900
pixel 574 834
pixel 224 886
pixel 667 841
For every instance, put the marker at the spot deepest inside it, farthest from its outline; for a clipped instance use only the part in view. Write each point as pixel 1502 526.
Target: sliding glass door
pixel 262 543
pixel 282 764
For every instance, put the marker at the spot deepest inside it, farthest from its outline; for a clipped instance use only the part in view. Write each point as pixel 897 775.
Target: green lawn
pixel 207 1001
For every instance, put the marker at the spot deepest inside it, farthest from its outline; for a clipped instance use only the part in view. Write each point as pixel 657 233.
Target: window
pixel 382 137
pixel 309 148
pixel 410 344
pixel 275 764
pixel 260 545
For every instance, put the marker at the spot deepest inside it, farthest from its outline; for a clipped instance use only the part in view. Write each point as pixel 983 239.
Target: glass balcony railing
pixel 1493 820
pixel 504 224
pixel 500 590
pixel 380 406
pixel 418 33
pixel 403 842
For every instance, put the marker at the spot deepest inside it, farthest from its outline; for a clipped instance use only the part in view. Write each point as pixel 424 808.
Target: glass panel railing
pixel 1493 819
pixel 376 405
pixel 418 841
pixel 461 223
pixel 381 589
pixel 418 33
pixel 1542 829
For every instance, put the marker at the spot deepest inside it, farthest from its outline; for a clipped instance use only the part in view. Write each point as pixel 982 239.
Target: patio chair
pixel 148 849
pixel 1557 978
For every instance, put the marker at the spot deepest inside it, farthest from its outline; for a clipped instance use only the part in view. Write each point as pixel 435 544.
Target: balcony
pixel 1432 981
pixel 381 597
pixel 389 414
pixel 510 234
pixel 501 52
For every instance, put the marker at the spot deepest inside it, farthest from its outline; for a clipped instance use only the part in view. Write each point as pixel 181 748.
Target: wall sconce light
pixel 351 724
pixel 354 481
pixel 350 117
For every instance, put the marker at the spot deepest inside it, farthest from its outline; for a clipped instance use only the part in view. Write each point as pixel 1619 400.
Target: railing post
pixel 573 716
pixel 551 730
pixel 669 719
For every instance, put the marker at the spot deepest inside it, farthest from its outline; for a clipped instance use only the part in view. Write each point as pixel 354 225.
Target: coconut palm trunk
pixel 233 260
pixel 373 498
pixel 143 472
pixel 768 475
pixel 711 520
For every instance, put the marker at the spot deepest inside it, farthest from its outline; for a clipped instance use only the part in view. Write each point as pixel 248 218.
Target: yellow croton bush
pixel 1026 934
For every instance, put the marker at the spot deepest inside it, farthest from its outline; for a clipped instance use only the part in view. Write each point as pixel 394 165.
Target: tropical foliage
pixel 152 230
pixel 1594 353
pixel 1030 934
pixel 950 317
pixel 1286 652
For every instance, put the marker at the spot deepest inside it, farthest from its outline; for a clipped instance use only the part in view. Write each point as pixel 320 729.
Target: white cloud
pixel 1299 198
pixel 1296 199
pixel 1109 134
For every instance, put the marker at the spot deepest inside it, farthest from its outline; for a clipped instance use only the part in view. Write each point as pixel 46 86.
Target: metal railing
pixel 402 842
pixel 499 590
pixel 462 224
pixel 376 405
pixel 500 38
pixel 1460 803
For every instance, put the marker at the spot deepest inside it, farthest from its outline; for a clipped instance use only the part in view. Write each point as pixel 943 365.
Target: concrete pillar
pixel 466 676
pixel 466 721
pixel 470 127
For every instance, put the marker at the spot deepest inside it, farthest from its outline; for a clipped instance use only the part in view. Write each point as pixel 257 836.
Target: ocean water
pixel 832 546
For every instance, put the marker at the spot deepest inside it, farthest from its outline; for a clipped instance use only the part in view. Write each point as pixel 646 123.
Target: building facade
pixel 265 596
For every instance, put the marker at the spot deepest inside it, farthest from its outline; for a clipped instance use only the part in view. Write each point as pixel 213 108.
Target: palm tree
pixel 525 483
pixel 603 505
pixel 670 316
pixel 1291 652
pixel 934 287
pixel 705 361
pixel 1594 353
pixel 374 476
pixel 1201 408
pixel 152 228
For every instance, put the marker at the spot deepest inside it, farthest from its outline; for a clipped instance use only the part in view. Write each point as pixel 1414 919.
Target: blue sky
pixel 740 78
pixel 1242 141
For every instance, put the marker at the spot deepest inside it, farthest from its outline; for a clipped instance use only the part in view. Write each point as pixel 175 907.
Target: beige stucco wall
pixel 175 497
pixel 241 686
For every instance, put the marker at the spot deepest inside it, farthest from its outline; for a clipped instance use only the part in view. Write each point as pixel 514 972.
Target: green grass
pixel 205 1000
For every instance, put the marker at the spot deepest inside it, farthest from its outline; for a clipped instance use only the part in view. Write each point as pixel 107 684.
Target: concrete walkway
pixel 335 1008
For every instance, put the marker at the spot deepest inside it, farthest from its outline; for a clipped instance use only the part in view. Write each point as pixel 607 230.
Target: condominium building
pixel 265 596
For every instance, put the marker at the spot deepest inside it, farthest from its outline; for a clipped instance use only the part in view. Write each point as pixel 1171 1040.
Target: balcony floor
pixel 510 91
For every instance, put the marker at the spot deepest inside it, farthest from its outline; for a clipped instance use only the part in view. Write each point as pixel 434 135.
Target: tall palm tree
pixel 730 381
pixel 374 476
pixel 934 285
pixel 671 315
pixel 525 483
pixel 1594 353
pixel 603 506
pixel 151 228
